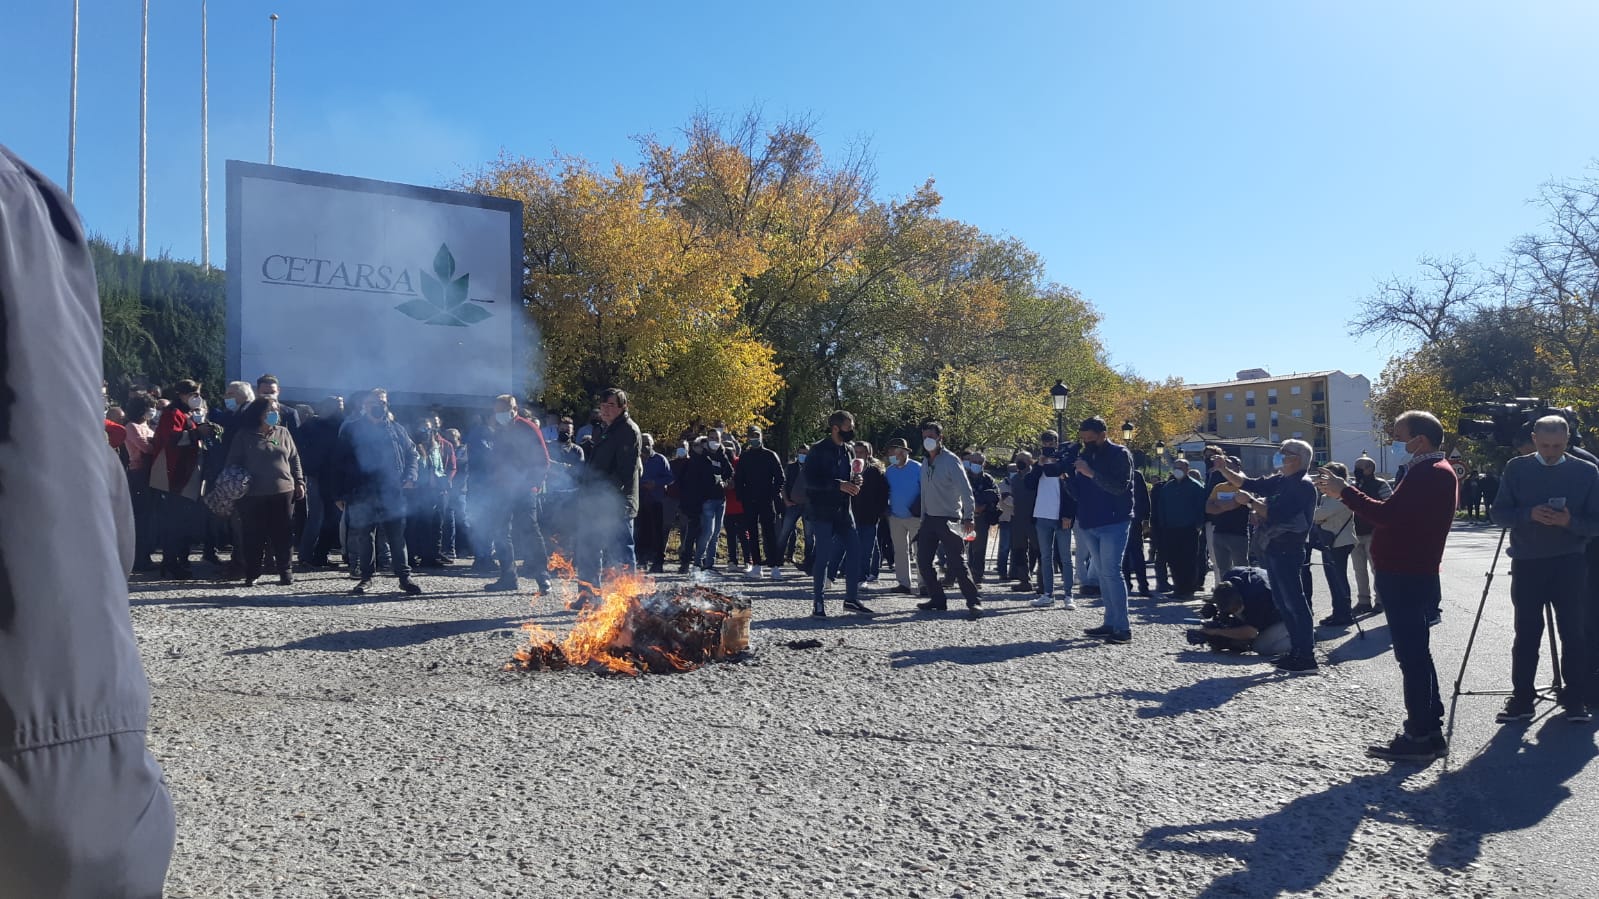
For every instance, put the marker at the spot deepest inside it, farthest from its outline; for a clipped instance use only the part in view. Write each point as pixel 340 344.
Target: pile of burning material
pixel 635 628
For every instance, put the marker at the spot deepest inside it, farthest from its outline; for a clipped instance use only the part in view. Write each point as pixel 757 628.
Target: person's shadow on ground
pixel 1511 785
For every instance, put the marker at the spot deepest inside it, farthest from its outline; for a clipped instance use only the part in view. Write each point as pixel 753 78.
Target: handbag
pixel 229 487
pixel 1323 539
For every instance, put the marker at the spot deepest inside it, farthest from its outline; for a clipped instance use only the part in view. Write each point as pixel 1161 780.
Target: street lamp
pixel 1127 432
pixel 1058 395
pixel 1160 457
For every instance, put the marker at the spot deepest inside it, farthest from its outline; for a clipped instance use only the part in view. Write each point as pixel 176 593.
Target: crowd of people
pixel 519 488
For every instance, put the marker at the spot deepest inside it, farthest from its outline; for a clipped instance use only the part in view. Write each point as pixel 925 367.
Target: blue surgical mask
pixel 232 404
pixel 974 468
pixel 1277 460
pixel 800 458
pixel 503 418
pixel 272 418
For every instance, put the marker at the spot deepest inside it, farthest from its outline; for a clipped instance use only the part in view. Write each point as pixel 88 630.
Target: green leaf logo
pixel 444 296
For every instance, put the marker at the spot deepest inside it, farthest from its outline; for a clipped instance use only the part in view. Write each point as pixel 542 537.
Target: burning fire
pixel 635 628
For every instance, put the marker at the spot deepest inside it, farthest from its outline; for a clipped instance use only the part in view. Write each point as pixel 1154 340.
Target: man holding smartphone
pixel 1549 500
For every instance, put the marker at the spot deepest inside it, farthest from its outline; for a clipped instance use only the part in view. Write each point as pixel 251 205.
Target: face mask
pixel 1049 449
pixel 196 402
pixel 846 436
pixel 151 415
pixel 1179 473
pixel 564 436
pixel 503 418
pixel 378 412
pixel 800 458
pixel 1023 466
pixel 1277 460
pixel 232 404
pixel 974 468
pixel 899 461
pixel 929 443
pixel 681 453
pixel 272 418
pixel 648 450
pixel 754 443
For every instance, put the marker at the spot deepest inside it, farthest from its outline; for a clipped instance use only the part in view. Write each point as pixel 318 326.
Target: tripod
pixel 1551 692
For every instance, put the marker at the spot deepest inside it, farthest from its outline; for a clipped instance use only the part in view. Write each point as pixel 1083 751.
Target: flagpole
pixel 72 123
pixel 272 99
pixel 144 91
pixel 205 145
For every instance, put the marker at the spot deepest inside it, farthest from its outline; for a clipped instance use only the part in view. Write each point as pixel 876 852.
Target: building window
pixel 1210 423
pixel 1271 396
pixel 1295 390
pixel 1228 396
pixel 1299 435
pixel 1249 420
pixel 1249 397
pixel 1229 418
pixel 1274 418
pixel 1297 413
pixel 1210 400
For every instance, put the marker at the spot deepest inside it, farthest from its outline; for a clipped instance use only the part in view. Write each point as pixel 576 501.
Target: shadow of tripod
pixel 1550 692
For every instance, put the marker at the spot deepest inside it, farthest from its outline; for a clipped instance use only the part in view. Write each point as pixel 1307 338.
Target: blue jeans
pixel 1109 542
pixel 833 548
pixel 867 551
pixel 711 515
pixel 617 549
pixel 1407 600
pixel 1052 540
pixel 1087 560
pixel 1288 595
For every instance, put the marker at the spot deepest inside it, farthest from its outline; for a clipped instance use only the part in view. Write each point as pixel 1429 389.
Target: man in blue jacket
pixel 1102 484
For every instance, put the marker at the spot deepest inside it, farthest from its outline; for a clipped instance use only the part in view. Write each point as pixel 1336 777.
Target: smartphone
pixel 1557 502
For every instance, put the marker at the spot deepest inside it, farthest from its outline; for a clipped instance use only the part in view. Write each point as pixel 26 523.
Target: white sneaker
pixel 1070 606
pixel 1044 602
pixel 777 574
pixel 751 569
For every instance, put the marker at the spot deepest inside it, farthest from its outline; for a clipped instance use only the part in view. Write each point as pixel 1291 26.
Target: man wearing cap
pixel 758 481
pixel 1102 484
pixel 904 508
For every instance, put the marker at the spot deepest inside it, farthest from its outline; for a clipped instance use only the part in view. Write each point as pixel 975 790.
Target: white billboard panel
pixel 338 284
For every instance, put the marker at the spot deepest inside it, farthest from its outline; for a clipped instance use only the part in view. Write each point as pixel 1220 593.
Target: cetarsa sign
pixel 338 284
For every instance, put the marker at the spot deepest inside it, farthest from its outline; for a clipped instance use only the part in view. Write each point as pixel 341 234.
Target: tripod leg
pixel 1465 657
pixel 1554 647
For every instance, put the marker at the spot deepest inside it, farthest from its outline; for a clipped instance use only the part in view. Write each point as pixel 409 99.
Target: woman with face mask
pixel 264 449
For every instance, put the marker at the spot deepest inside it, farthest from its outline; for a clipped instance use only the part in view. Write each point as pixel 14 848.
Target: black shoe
pixel 1296 665
pixel 1104 630
pixel 1516 709
pixel 858 607
pixel 213 558
pixel 1024 586
pixel 1576 714
pixel 249 582
pixel 1435 619
pixel 931 606
pixel 655 568
pixel 286 579
pixel 1120 637
pixel 905 591
pixel 1406 748
pixel 500 586
pixel 974 611
pixel 410 586
pixel 1336 621
pixel 361 588
pixel 818 610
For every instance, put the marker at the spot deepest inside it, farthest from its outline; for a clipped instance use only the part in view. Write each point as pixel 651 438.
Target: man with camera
pixel 1285 503
pixel 1549 499
pixel 1241 616
pixel 1409 530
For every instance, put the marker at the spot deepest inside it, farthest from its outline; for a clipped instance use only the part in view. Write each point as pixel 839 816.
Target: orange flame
pixel 604 630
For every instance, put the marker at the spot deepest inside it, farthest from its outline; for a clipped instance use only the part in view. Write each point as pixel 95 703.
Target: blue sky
pixel 1223 181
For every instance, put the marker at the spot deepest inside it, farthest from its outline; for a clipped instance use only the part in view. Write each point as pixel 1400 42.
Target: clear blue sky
pixel 1223 181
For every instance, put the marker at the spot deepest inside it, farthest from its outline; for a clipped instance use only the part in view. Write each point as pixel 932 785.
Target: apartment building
pixel 1330 410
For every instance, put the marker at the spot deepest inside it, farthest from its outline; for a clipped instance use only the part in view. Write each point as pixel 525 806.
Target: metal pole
pixel 144 92
pixel 205 144
pixel 272 98
pixel 72 122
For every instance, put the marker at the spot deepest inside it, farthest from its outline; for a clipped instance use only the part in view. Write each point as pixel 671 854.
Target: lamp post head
pixel 1058 395
pixel 1127 431
pixel 1160 447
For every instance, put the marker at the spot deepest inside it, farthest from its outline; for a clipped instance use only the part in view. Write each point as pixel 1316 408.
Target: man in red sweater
pixel 1407 549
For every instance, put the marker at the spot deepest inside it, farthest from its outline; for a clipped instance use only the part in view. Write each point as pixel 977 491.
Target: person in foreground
pixel 1409 530
pixel 84 809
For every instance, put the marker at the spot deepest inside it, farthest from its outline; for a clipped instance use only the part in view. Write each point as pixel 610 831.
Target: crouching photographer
pixel 1241 616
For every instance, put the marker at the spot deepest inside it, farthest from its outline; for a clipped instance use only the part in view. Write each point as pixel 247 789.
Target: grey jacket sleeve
pixel 1505 512
pixel 74 701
